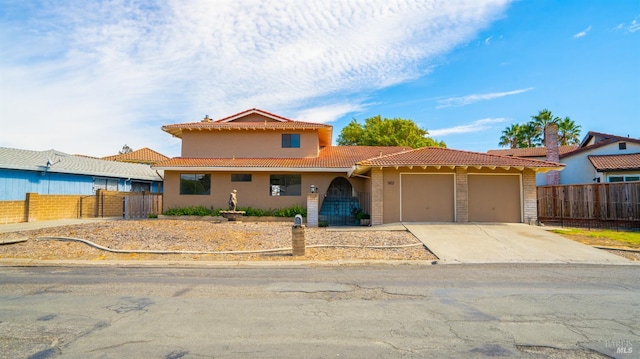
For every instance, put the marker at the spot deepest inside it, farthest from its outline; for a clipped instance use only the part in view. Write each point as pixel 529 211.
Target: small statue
pixel 233 200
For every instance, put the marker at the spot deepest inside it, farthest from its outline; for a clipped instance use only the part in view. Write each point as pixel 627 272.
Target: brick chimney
pixel 553 155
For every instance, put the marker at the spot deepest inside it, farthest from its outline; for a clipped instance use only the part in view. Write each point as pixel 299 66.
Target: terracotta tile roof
pixel 343 157
pixel 229 123
pixel 530 151
pixel 437 156
pixel 254 110
pixel 604 163
pixel 143 155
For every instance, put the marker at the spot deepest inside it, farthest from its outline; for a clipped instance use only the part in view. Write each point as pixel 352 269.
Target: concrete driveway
pixel 505 243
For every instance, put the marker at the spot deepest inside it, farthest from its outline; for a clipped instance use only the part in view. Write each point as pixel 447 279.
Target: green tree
pixel 378 131
pixel 511 136
pixel 529 135
pixel 351 134
pixel 568 132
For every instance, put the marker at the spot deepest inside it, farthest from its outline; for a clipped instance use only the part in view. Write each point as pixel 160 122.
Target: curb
pixel 17 262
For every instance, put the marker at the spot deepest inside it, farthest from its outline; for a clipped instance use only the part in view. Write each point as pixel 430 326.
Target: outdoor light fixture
pixel 313 189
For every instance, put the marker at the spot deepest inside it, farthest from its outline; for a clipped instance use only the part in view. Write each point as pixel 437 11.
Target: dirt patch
pixel 207 236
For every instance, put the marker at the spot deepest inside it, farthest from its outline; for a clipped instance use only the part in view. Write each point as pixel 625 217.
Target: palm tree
pixel 510 136
pixel 541 120
pixel 529 135
pixel 568 132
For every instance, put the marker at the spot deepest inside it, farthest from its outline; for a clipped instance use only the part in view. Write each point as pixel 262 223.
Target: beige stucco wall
pixel 255 194
pixel 247 143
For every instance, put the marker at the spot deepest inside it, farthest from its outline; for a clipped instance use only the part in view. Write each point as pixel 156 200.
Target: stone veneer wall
pixel 377 196
pixel 312 210
pixel 462 195
pixel 529 196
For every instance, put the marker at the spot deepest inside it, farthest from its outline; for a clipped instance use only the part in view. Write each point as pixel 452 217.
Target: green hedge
pixel 250 211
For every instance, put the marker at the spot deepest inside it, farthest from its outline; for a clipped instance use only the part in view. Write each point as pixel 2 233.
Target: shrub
pixel 190 211
pixel 290 211
pixel 249 211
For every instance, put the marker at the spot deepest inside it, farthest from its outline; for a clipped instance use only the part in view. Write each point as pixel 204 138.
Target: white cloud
pixel 469 99
pixel 330 113
pixel 475 126
pixel 487 41
pixel 91 76
pixel 582 33
pixel 633 26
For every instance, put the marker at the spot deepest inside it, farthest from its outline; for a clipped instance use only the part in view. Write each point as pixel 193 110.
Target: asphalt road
pixel 530 311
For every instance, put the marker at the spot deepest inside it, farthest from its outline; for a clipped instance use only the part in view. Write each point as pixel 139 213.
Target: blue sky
pixel 87 77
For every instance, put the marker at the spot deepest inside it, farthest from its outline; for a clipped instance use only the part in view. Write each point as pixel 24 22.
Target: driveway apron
pixel 504 243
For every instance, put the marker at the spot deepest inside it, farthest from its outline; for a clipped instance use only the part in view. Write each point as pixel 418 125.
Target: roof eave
pixel 254 169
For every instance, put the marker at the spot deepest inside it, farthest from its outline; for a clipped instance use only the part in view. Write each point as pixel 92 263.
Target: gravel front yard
pixel 207 236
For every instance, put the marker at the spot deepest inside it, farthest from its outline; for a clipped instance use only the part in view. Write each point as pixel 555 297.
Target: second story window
pixel 291 140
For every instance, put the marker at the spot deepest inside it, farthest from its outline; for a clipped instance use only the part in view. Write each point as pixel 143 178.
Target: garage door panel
pixel 494 198
pixel 428 198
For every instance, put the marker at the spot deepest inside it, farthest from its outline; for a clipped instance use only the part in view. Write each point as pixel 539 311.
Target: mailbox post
pixel 298 236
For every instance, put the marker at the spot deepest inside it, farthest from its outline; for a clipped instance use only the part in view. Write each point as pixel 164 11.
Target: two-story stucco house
pixel 273 162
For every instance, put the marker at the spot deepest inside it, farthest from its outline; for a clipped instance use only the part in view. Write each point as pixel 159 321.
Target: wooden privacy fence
pixel 601 205
pixel 128 205
pixel 138 205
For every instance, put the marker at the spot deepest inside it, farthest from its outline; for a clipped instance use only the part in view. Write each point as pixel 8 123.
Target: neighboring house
pixel 144 155
pixel 274 162
pixel 600 157
pixel 55 172
pixel 534 153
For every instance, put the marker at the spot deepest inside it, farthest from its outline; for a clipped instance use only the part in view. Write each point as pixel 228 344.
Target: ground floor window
pixel 108 184
pixel 631 178
pixel 195 183
pixel 285 185
pixel 140 187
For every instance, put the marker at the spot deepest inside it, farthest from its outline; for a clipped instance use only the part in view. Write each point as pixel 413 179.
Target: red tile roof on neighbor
pixel 437 156
pixel 342 157
pixel 143 155
pixel 604 163
pixel 531 151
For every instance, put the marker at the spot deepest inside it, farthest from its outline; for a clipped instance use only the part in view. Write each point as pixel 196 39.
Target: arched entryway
pixel 339 204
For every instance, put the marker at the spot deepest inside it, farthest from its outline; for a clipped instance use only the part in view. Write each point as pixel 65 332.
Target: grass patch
pixel 602 237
